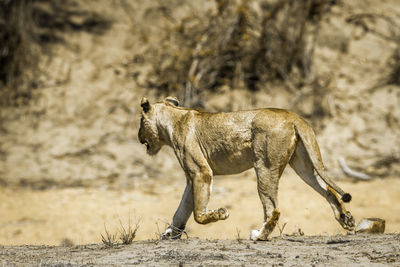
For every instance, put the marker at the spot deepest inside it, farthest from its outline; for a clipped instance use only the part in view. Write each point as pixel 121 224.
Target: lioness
pixel 208 144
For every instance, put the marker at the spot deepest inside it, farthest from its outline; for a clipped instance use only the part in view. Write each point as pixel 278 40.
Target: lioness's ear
pixel 145 104
pixel 173 100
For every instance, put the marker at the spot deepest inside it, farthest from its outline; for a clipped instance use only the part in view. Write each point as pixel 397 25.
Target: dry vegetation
pixel 242 44
pixel 27 28
pixel 19 54
pixel 126 234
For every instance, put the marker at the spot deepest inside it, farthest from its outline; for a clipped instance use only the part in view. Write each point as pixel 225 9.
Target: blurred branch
pixel 391 72
pixel 350 172
pixel 363 19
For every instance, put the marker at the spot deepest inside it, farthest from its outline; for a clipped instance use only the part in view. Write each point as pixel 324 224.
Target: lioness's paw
pixel 167 234
pixel 223 213
pixel 171 234
pixel 347 221
pixel 254 234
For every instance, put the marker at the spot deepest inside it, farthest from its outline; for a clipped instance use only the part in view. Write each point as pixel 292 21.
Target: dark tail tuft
pixel 346 197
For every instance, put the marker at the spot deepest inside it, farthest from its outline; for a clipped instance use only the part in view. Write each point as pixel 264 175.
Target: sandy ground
pixel 350 250
pixel 78 215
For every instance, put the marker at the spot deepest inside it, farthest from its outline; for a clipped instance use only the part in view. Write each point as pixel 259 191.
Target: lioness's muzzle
pixel 145 143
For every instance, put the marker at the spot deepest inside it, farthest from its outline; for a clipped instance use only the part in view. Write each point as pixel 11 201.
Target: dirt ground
pixel 340 250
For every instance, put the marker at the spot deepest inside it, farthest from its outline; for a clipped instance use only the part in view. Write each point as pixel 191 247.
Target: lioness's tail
pixel 307 136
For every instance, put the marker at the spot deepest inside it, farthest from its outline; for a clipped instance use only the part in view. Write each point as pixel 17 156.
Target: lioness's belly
pixel 226 141
pixel 231 160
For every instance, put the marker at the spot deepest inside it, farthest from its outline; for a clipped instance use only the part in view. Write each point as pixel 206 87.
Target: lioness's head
pixel 149 131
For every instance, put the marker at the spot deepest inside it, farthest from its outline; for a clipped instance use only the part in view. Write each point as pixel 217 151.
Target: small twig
pixel 350 172
pixel 239 240
pixel 281 228
pixel 334 242
pixel 158 233
pixel 295 240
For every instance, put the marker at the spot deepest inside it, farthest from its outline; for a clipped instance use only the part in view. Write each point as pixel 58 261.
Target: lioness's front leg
pixel 201 192
pixel 181 216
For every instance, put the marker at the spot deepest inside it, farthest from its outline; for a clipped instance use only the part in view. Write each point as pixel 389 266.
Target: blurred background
pixel 72 74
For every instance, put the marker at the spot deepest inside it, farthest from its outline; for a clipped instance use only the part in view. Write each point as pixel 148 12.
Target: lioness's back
pixel 243 120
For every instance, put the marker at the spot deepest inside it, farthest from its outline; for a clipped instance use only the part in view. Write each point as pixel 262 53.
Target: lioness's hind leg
pixel 267 186
pixel 303 166
pixel 271 154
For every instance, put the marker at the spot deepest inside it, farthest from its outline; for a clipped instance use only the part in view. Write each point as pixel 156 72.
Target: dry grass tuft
pixel 110 240
pixel 127 235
